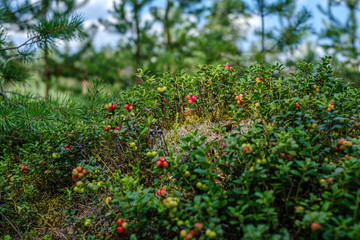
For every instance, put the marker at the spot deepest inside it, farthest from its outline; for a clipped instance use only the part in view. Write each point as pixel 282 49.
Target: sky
pixel 96 9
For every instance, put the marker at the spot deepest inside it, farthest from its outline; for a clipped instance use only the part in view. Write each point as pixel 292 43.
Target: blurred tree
pixel 175 18
pixel 219 39
pixel 293 25
pixel 341 38
pixel 43 31
pixel 129 22
pixel 25 16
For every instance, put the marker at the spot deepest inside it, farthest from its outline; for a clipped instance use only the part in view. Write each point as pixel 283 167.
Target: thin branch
pixel 12 225
pixel 6 97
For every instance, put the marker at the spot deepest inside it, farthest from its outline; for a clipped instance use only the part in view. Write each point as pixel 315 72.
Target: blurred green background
pixel 173 35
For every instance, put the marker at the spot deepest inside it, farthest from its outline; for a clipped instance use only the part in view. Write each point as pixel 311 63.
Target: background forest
pixel 118 37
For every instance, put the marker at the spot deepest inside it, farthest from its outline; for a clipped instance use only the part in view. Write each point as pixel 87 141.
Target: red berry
pixel 105 128
pixel 158 192
pixel 120 222
pixel 162 192
pixel 26 168
pixel 231 68
pixel 131 106
pixel 22 166
pixel 79 168
pixel 159 164
pixel 188 97
pixel 246 150
pixel 198 226
pixel 190 101
pixel 341 142
pixel 290 157
pixel 113 106
pixel 329 180
pixel 127 106
pixel 117 128
pixel 193 98
pixel 188 236
pixel 282 155
pixel 226 65
pixel 162 158
pixel 192 232
pixel 165 163
pixel 120 229
pixel 162 201
pixel 73 177
pixel 315 226
pixel 44 163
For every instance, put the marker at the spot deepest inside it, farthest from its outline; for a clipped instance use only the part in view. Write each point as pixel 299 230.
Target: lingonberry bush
pixel 281 160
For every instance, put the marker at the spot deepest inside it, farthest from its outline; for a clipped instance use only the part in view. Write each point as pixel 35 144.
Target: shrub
pixel 292 174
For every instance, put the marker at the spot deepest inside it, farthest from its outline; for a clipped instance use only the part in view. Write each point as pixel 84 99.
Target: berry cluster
pixel 79 187
pixel 210 234
pixel 133 146
pixel 129 107
pixel 171 204
pixel 259 79
pixel 191 99
pixel 110 107
pixel 161 192
pixel 24 168
pixel 326 182
pixel 87 222
pixel 122 227
pixel 228 67
pixel 240 98
pixel 316 226
pixel 200 185
pixel 78 172
pixel 330 107
pixel 95 185
pixel 162 163
pixel 187 235
pixel 347 157
pixel 162 89
pixel 316 88
pixel 246 147
pixel 289 156
pixel 67 147
pixel 151 154
pixel 109 128
pixel 343 144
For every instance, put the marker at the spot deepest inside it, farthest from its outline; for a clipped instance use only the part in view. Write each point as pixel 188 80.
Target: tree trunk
pixel 46 72
pixel 138 42
pixel 353 28
pixel 167 31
